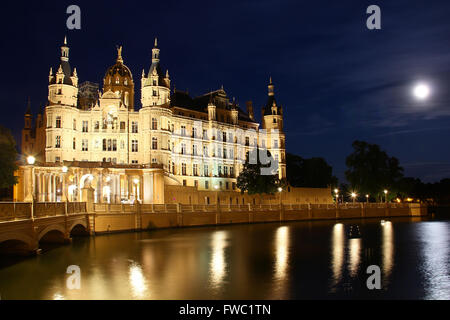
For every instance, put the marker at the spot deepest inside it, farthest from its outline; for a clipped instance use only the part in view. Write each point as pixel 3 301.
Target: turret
pixel 63 86
pixel 212 110
pixel 272 112
pixel 155 84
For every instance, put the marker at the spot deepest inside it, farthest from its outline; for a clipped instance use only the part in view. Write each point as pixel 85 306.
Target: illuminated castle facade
pixel 85 138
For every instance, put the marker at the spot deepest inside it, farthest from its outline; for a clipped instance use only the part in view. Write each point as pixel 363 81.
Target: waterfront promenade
pixel 25 226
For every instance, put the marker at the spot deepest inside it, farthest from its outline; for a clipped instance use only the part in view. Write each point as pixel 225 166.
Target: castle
pixel 87 138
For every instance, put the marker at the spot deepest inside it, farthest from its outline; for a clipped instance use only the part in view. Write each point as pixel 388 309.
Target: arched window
pixel 117 80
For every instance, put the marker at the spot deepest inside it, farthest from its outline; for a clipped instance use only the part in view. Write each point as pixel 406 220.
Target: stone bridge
pixel 24 227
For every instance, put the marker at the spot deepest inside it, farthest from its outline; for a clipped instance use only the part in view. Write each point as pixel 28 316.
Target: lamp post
pixel 367 197
pixel 136 194
pixel 385 195
pixel 354 197
pixel 336 192
pixel 216 187
pixel 31 161
pixel 280 191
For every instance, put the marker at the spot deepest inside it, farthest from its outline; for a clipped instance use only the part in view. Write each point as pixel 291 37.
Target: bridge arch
pixel 17 243
pixel 53 233
pixel 78 229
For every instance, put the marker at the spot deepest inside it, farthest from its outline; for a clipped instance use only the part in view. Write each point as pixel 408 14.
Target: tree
pixel 252 180
pixel 371 170
pixel 309 173
pixel 8 156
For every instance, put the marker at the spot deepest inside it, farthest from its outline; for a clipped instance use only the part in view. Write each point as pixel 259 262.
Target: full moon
pixel 421 91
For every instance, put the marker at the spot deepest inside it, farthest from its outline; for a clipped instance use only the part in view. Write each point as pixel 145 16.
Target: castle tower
pixel 27 140
pixel 155 84
pixel 274 137
pixel 63 85
pixel 119 79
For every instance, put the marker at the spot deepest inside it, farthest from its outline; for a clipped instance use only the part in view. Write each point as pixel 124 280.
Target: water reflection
pixel 337 253
pixel 282 253
pixel 355 256
pixel 218 264
pixel 436 251
pixel 137 281
pixel 387 235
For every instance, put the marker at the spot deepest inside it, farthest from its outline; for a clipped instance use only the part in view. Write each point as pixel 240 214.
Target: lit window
pixel 134 146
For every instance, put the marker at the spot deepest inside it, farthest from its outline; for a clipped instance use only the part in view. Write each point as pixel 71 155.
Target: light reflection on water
pixel 436 253
pixel 387 234
pixel 218 264
pixel 137 281
pixel 337 254
pixel 290 261
pixel 281 263
pixel 355 256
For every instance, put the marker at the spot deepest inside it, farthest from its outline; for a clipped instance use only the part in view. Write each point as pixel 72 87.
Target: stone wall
pixel 190 195
pixel 148 217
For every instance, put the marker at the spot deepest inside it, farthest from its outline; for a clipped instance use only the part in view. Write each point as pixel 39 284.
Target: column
pixel 63 188
pixel 148 188
pixel 118 191
pixel 53 188
pixel 49 188
pixel 100 188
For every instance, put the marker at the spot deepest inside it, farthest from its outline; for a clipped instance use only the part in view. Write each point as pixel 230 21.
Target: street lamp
pixel 354 197
pixel 31 160
pixel 216 187
pixel 280 190
pixel 385 195
pixel 367 197
pixel 30 198
pixel 336 192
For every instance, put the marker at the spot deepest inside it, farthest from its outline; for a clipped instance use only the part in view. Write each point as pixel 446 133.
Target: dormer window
pixel 117 80
pixel 154 83
pixel 125 82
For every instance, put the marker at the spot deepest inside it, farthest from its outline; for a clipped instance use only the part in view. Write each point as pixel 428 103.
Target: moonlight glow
pixel 421 91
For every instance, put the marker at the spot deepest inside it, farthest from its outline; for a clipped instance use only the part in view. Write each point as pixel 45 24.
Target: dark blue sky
pixel 337 80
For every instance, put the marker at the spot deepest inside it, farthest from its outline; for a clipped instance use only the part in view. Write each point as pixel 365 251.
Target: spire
pixel 271 88
pixel 119 54
pixel 155 53
pixel 167 74
pixel 65 51
pixel 28 111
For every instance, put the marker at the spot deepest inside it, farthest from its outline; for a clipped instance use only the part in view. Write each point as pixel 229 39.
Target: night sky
pixel 337 80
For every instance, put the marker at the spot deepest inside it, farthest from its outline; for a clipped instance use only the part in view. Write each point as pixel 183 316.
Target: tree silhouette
pixel 252 180
pixel 8 156
pixel 371 170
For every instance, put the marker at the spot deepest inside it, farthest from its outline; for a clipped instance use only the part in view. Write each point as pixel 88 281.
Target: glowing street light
pixel 354 196
pixel 336 192
pixel 65 169
pixel 367 197
pixel 385 195
pixel 31 160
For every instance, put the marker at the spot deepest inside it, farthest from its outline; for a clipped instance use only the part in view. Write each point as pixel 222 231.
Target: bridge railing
pixel 10 211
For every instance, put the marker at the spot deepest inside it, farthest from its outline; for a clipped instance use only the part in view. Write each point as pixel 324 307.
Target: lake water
pixel 304 260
